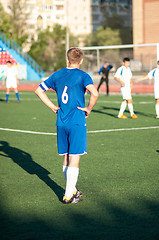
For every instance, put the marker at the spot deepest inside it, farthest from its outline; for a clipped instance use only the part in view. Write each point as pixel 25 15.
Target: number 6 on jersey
pixel 65 95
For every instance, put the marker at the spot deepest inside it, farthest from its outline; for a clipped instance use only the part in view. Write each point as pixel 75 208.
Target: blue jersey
pixel 70 86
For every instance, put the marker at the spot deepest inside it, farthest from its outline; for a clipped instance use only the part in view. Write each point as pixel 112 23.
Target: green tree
pixel 14 24
pixel 117 22
pixel 49 49
pixel 103 37
pixel 18 16
pixel 73 40
pixel 5 22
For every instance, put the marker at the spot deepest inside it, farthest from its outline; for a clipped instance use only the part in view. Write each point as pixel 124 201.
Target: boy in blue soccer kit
pixel 70 85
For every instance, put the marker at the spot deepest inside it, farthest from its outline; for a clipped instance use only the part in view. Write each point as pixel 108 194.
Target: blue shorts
pixel 72 140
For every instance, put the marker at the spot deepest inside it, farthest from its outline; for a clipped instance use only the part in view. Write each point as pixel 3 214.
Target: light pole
pixel 67 27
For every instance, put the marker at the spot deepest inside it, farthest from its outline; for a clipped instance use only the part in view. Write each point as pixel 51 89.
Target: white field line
pixel 123 129
pixel 23 131
pixel 97 131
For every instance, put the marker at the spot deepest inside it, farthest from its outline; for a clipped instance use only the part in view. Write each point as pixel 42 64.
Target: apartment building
pixel 146 29
pixel 80 16
pixel 122 8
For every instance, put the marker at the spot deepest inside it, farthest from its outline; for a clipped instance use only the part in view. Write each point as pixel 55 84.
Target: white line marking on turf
pixel 23 131
pixel 97 131
pixel 123 129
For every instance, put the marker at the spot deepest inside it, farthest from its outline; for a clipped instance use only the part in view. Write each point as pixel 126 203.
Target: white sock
pixel 72 177
pixel 157 109
pixel 122 108
pixel 130 106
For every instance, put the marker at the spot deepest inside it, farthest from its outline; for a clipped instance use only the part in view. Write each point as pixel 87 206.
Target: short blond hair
pixel 74 55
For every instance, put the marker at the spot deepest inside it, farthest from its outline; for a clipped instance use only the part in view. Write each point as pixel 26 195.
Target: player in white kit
pixel 11 76
pixel 154 73
pixel 124 76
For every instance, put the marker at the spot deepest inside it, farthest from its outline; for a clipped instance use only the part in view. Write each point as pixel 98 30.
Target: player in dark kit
pixel 104 70
pixel 70 85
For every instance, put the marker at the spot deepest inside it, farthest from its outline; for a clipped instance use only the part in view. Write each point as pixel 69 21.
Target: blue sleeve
pixel 48 83
pixel 100 70
pixel 109 67
pixel 87 80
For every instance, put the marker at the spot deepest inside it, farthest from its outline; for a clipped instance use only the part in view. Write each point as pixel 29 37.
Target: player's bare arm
pixel 131 83
pixel 92 101
pixel 120 81
pixel 3 81
pixel 141 79
pixel 17 80
pixel 44 98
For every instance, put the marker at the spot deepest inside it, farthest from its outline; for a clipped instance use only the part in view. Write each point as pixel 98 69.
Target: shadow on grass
pixel 119 224
pixel 103 111
pixel 98 220
pixel 25 161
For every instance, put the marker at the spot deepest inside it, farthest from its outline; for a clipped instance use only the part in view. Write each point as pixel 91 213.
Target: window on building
pixel 39 21
pixel 39 17
pixel 59 17
pixel 94 8
pixel 95 17
pixel 59 7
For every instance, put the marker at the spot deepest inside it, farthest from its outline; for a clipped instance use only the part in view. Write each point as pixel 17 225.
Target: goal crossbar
pixel 119 46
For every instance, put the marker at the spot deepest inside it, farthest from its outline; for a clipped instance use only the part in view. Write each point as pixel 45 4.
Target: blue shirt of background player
pixel 75 80
pixel 109 67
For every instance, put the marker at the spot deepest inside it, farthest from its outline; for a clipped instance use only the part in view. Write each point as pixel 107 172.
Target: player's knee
pixel 130 101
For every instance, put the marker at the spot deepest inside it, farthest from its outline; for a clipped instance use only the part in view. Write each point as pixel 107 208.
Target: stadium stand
pixel 10 50
pixel 5 56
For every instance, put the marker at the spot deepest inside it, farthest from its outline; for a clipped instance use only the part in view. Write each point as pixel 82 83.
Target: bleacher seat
pixel 5 56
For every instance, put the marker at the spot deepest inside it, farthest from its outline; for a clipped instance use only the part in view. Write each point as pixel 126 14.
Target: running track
pixel 113 87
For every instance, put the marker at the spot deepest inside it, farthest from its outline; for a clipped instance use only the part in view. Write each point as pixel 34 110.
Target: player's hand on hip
pixel 86 110
pixel 55 109
pixel 122 84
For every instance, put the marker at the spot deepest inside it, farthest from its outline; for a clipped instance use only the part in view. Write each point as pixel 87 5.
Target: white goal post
pixel 98 49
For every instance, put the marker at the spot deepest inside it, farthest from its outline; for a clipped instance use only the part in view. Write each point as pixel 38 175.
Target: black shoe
pixel 78 193
pixel 72 200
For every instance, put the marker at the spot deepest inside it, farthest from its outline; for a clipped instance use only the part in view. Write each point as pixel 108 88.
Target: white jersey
pixel 11 73
pixel 154 73
pixel 124 74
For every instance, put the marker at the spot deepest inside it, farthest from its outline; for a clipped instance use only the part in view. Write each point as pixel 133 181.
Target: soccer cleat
pixel 73 199
pixel 157 116
pixel 134 116
pixel 122 117
pixel 77 193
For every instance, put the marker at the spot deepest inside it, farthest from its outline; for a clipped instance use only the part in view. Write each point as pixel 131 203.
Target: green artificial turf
pixel 119 177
